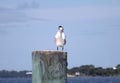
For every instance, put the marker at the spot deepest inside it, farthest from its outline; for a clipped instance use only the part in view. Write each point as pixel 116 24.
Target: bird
pixel 60 38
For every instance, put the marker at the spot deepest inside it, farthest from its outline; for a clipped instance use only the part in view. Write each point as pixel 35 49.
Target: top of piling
pixel 47 52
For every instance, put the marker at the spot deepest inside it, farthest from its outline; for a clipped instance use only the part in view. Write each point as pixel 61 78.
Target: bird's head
pixel 60 28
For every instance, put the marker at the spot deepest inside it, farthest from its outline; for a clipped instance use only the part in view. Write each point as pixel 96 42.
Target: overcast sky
pixel 92 28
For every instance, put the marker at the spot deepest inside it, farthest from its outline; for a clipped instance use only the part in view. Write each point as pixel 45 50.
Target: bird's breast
pixel 60 42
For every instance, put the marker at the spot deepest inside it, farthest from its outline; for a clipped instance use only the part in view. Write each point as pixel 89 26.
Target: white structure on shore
pixel 77 73
pixel 29 73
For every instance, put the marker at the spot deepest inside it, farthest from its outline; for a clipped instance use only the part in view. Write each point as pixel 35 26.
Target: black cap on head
pixel 60 27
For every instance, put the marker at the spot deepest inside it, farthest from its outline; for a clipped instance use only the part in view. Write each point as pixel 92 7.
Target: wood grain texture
pixel 49 67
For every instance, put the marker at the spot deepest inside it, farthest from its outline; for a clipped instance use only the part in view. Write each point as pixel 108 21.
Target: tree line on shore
pixel 84 70
pixel 13 73
pixel 91 70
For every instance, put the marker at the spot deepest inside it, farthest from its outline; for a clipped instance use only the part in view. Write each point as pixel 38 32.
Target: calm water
pixel 70 80
pixel 94 80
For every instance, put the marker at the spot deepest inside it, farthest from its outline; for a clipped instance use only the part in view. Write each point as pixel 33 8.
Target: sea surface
pixel 69 80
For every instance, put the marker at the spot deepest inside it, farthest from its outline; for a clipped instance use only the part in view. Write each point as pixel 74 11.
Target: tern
pixel 60 38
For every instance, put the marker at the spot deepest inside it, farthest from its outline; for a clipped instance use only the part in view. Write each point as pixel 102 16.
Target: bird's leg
pixel 57 48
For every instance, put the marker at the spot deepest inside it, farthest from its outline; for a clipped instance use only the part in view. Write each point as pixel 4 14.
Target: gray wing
pixel 64 41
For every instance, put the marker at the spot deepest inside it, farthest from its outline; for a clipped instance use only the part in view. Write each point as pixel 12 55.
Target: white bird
pixel 60 38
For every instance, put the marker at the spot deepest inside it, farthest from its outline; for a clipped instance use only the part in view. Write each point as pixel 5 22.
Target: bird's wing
pixel 64 41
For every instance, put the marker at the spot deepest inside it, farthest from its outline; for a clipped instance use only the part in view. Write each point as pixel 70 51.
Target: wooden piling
pixel 49 67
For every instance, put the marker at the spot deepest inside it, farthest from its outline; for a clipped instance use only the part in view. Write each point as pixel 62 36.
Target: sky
pixel 92 29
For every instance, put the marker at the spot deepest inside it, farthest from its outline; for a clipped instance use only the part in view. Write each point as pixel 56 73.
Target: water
pixel 15 80
pixel 94 80
pixel 70 80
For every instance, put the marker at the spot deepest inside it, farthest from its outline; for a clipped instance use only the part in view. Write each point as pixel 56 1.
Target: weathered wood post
pixel 49 67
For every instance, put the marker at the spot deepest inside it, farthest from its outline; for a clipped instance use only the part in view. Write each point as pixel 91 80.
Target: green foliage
pixel 5 73
pixel 86 69
pixel 118 66
pixel 91 70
